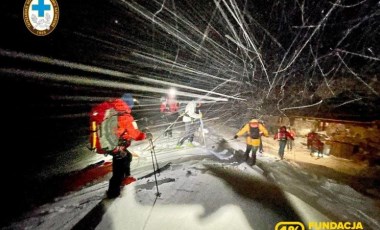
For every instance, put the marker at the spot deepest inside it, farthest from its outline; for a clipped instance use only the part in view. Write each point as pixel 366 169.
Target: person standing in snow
pixel 290 142
pixel 127 130
pixel 317 146
pixel 282 136
pixel 254 131
pixel 310 138
pixel 191 118
pixel 169 108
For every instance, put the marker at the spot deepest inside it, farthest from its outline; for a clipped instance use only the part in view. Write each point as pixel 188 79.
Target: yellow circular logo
pixel 41 16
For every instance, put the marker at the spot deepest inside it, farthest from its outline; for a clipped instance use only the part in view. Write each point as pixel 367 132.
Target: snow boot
pixel 112 195
pixel 253 159
pixel 128 180
pixel 246 157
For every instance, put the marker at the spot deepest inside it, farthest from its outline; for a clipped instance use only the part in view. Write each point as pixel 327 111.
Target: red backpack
pixel 103 128
pixel 282 136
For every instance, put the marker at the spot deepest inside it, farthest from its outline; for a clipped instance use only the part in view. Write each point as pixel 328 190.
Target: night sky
pixel 307 58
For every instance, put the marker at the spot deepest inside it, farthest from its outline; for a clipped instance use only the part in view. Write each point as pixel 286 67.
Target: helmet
pixel 128 99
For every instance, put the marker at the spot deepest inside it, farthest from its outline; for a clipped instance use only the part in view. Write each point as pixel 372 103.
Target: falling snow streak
pixel 357 76
pixel 184 69
pixel 278 58
pixel 94 69
pixel 237 16
pixel 79 80
pixel 296 55
pixel 244 38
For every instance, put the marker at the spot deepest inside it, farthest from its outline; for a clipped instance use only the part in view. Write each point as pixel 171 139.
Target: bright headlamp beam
pixel 79 80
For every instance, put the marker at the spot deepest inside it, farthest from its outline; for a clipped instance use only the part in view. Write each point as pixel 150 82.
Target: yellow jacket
pixel 245 130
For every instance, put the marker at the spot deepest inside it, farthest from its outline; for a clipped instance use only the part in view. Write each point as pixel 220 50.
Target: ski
pixel 162 168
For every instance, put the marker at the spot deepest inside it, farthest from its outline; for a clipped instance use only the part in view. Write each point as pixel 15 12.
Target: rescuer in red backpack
pixel 169 108
pixel 311 136
pixel 126 131
pixel 290 143
pixel 282 136
pixel 317 146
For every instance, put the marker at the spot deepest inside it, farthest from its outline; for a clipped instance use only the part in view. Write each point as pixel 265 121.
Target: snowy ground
pixel 212 188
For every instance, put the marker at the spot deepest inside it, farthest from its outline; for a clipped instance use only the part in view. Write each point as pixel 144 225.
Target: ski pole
pixel 170 126
pixel 203 133
pixel 233 139
pixel 163 132
pixel 154 154
pixel 154 167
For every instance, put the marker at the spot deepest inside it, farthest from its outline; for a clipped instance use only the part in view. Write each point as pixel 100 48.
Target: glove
pixel 145 130
pixel 149 135
pixel 236 136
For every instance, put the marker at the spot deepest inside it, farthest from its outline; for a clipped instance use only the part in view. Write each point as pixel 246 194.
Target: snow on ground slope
pixel 191 198
pixel 322 184
pixel 208 188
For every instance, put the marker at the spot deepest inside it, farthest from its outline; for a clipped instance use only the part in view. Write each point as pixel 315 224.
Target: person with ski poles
pixel 191 118
pixel 127 130
pixel 290 142
pixel 169 108
pixel 282 136
pixel 253 130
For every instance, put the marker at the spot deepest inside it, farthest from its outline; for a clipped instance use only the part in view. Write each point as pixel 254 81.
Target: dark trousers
pixel 254 151
pixel 281 150
pixel 170 119
pixel 308 144
pixel 261 146
pixel 120 170
pixel 190 128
